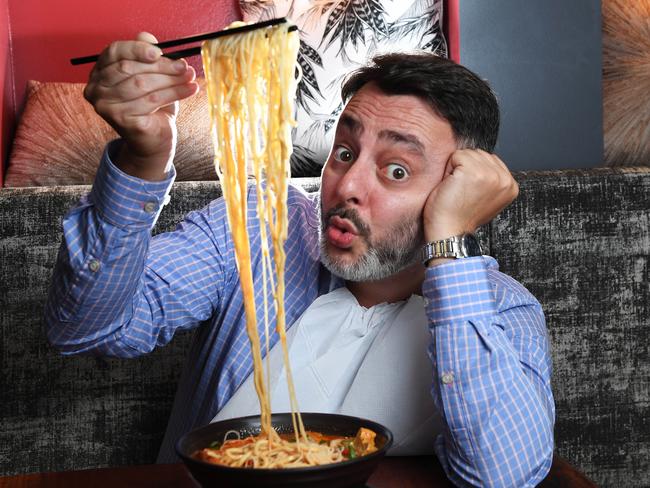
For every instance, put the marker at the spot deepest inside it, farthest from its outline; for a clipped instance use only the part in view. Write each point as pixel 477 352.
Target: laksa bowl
pixel 348 473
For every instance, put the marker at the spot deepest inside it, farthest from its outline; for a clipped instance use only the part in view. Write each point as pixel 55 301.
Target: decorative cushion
pixel 338 36
pixel 60 138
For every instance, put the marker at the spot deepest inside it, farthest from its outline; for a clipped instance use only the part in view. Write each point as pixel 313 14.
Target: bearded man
pixel 393 313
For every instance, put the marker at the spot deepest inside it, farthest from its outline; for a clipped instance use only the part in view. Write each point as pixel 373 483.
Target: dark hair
pixel 454 92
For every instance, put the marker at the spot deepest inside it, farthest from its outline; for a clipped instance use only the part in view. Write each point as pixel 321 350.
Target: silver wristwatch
pixel 461 246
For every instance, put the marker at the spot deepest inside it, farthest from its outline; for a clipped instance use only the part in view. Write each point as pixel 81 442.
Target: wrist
pixel 439 235
pixel 151 167
pixel 439 229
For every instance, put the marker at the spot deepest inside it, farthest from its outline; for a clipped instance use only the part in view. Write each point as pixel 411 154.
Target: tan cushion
pixel 60 138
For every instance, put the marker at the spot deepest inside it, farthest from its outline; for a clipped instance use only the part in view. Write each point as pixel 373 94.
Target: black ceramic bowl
pixel 350 473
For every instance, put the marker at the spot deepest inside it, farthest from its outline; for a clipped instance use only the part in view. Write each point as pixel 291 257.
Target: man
pixel 410 165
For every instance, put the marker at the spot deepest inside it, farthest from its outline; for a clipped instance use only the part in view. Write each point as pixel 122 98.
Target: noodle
pixel 262 452
pixel 251 86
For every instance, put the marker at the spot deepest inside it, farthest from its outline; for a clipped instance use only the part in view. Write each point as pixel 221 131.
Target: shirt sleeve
pixel 116 291
pixel 491 375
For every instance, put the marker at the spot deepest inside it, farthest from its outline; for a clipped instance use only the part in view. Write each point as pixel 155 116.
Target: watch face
pixel 471 245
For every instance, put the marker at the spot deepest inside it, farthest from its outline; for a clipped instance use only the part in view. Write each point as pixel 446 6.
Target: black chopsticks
pixel 192 51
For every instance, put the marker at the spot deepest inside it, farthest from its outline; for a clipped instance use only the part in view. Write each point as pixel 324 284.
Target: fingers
pixel 116 72
pixel 140 94
pixel 477 188
pixel 119 71
pixel 479 161
pixel 140 84
pixel 122 59
pixel 140 51
pixel 503 178
pixel 121 113
pixel 146 37
pixel 481 169
pixel 136 90
pixel 132 78
pixel 135 119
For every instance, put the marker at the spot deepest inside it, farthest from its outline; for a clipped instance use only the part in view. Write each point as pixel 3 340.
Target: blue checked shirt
pixel 119 292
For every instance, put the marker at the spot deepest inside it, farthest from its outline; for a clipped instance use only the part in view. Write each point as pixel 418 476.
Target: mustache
pixel 350 214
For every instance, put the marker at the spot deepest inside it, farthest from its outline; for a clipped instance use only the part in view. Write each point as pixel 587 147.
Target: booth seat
pixel 579 240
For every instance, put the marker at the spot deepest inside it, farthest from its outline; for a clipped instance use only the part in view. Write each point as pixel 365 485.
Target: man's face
pixel 389 152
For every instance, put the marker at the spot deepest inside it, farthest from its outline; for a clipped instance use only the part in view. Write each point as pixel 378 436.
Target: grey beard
pixel 399 250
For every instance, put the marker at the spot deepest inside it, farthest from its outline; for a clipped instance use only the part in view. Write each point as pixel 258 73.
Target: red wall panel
pixel 46 34
pixel 38 38
pixel 7 100
pixel 451 26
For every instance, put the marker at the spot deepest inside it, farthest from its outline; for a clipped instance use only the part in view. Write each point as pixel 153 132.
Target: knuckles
pixel 481 187
pixel 102 109
pixel 514 189
pixel 140 82
pixel 111 52
pixel 124 67
pixel 153 98
pixel 488 175
pixel 88 93
pixel 118 91
pixel 139 125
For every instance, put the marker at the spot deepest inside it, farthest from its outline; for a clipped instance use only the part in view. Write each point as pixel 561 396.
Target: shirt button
pixel 93 265
pixel 447 378
pixel 150 207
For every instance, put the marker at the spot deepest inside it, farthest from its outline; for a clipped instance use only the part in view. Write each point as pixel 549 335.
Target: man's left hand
pixel 477 185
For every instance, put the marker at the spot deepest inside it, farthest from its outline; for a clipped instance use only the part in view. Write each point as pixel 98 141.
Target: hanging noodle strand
pixel 251 86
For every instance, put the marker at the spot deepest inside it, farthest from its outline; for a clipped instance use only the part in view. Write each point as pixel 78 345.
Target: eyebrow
pixel 356 127
pixel 351 124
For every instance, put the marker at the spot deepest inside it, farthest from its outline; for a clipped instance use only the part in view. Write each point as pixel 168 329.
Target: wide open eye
pixel 396 172
pixel 343 154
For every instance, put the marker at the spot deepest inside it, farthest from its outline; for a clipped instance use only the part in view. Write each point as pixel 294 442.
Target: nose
pixel 355 184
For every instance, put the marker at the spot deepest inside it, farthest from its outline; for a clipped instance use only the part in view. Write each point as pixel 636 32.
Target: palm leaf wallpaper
pixel 336 37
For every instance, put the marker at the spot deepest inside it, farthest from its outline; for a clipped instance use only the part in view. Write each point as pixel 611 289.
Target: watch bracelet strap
pixel 444 248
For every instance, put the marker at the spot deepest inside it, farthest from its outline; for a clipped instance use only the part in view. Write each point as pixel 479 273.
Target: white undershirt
pixel 348 359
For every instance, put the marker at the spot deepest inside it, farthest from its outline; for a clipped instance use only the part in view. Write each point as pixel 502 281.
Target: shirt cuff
pixel 458 290
pixel 124 200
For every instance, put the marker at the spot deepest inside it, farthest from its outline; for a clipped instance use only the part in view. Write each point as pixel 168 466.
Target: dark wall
pixel 544 61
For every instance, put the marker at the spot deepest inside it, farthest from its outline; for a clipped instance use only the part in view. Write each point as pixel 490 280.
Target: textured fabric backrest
pixel 336 38
pixel 60 413
pixel 580 241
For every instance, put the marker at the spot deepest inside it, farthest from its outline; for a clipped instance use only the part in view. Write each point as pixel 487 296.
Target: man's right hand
pixel 136 90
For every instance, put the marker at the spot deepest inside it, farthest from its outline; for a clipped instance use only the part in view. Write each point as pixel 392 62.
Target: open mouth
pixel 341 232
